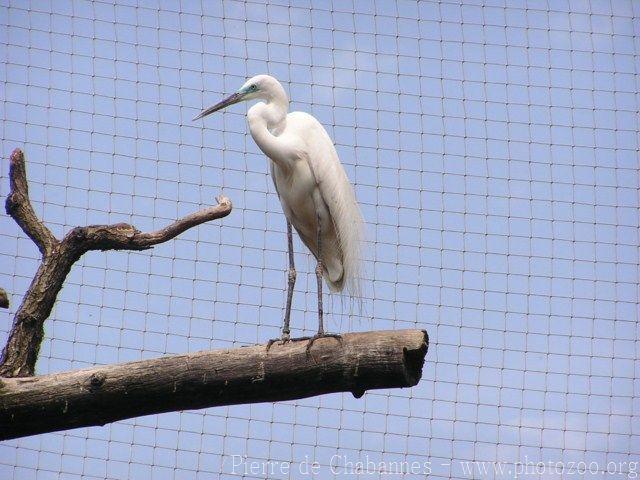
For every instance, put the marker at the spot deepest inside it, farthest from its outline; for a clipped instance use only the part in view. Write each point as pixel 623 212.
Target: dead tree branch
pixel 96 396
pixel 18 205
pixel 4 298
pixel 58 256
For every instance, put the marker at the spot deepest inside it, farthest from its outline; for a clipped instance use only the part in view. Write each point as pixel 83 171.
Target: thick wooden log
pixel 355 363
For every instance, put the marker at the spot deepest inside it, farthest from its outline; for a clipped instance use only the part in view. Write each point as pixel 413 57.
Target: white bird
pixel 313 188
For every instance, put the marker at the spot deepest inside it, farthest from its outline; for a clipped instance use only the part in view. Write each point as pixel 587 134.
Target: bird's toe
pixel 321 335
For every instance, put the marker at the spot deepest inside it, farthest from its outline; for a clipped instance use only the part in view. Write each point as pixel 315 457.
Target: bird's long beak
pixel 230 100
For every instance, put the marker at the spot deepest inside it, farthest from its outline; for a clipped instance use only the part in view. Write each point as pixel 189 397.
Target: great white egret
pixel 313 188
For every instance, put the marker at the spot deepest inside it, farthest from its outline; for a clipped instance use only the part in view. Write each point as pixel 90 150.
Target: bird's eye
pixel 253 87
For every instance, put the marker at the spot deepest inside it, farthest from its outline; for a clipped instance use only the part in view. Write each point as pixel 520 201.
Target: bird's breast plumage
pixel 312 184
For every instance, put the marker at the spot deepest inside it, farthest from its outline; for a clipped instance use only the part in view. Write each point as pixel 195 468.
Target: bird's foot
pixel 283 340
pixel 321 335
pixel 274 340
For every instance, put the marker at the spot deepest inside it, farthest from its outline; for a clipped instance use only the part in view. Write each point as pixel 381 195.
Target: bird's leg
pixel 291 283
pixel 319 272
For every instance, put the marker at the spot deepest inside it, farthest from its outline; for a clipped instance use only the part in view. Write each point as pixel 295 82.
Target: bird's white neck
pixel 271 114
pixel 267 120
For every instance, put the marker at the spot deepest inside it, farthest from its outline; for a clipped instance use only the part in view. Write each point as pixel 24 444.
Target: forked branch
pixel 58 256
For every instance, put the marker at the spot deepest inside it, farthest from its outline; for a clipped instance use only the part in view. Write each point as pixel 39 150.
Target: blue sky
pixel 493 150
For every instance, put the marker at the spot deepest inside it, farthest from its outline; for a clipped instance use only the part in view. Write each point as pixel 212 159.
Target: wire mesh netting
pixel 494 151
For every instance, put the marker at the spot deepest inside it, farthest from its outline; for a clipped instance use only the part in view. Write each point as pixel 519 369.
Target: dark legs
pixel 319 271
pixel 292 282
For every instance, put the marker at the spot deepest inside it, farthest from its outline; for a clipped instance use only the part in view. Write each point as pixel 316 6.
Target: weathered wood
pixel 58 256
pixel 95 396
pixel 18 205
pixel 4 298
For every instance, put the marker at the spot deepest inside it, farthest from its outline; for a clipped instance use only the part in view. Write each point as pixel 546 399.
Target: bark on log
pixel 95 396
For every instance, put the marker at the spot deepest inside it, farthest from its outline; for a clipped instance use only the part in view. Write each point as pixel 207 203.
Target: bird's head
pixel 259 87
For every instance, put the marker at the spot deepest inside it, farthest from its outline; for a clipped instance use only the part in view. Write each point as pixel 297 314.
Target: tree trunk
pixel 354 363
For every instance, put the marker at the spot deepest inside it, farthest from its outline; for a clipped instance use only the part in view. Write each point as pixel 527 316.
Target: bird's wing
pixel 337 193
